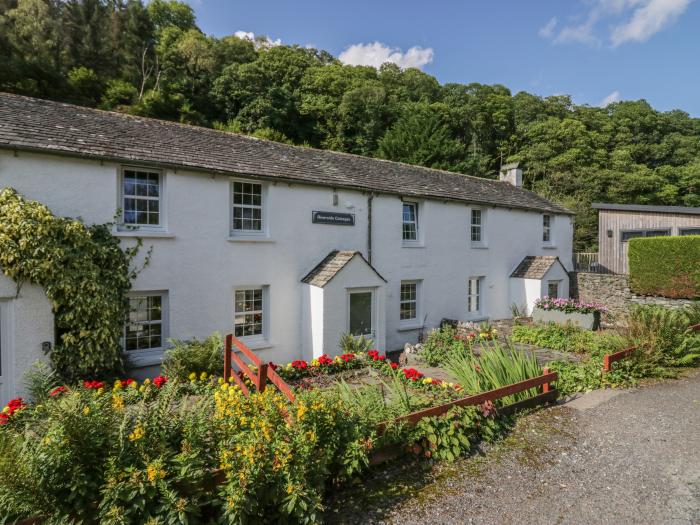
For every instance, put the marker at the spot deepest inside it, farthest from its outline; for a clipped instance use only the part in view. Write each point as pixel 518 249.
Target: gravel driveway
pixel 609 457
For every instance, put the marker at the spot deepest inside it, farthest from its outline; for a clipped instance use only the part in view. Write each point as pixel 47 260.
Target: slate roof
pixel 330 266
pixel 646 208
pixel 535 266
pixel 41 125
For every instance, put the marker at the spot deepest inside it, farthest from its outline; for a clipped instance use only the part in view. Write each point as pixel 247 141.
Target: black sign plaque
pixel 331 217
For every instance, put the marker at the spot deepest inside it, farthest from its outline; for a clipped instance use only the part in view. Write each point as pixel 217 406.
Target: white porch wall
pixel 27 322
pixel 200 267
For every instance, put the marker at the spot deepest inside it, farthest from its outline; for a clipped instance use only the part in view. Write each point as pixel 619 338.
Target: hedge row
pixel 665 266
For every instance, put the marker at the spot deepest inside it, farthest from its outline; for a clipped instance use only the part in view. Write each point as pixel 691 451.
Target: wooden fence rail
pixel 548 393
pixel 259 378
pixel 609 359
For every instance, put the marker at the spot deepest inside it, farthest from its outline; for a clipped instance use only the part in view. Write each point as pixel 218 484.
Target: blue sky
pixel 593 50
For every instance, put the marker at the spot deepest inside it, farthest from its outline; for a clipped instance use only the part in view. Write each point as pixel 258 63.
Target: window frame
pixel 482 242
pixel 373 304
pixel 547 229
pixel 415 222
pixel 417 302
pixel 555 282
pixel 479 296
pixel 149 356
pixel 260 340
pixel 122 225
pixel 644 232
pixel 263 207
pixel 682 230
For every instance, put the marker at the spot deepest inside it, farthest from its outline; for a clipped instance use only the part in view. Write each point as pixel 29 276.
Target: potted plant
pixel 562 311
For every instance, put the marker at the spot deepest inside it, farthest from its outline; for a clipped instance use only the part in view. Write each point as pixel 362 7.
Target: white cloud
pixel 376 54
pixel 624 20
pixel 260 40
pixel 612 97
pixel 647 20
pixel 547 30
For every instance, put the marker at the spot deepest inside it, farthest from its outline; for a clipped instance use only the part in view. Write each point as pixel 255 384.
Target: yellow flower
pixel 221 380
pixel 193 376
pixel 137 434
pixel 146 381
pixel 315 363
pixel 86 411
pixel 427 380
pixel 117 385
pixel 155 472
pixel 6 410
pixel 99 391
pixel 301 411
pixel 203 376
pixel 224 386
pixel 142 388
pixel 134 385
pixel 117 403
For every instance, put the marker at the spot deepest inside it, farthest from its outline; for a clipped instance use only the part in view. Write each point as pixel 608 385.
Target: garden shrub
pixel 350 344
pixel 568 338
pixel 441 343
pixel 85 275
pixel 194 356
pixel 666 266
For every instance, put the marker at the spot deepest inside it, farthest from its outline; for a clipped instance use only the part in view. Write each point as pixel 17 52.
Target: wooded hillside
pixel 153 60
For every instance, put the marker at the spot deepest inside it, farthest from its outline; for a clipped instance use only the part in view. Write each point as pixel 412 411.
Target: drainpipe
pixel 369 227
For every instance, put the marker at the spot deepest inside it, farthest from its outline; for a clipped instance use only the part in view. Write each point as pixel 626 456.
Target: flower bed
pixel 569 306
pixel 300 369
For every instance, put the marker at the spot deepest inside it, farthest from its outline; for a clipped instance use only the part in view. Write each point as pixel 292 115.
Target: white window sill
pixel 407 327
pixel 151 234
pixel 476 317
pixel 250 238
pixel 256 343
pixel 479 246
pixel 549 247
pixel 414 244
pixel 142 358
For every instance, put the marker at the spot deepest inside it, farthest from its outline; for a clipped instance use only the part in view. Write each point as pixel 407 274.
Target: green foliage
pixel 350 344
pixel 666 266
pixel 186 357
pixel 84 273
pixel 39 380
pixel 568 338
pixel 151 59
pixel 496 366
pixel 664 332
pixel 441 344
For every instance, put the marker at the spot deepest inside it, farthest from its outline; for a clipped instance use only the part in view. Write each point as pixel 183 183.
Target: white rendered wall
pixel 524 292
pixel 27 322
pixel 200 266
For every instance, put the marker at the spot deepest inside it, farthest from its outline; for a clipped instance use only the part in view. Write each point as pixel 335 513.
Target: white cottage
pixel 286 247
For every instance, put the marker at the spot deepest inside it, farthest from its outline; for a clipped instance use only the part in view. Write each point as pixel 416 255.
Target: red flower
pixel 272 365
pixel 58 391
pixel 126 382
pixel 13 406
pixel 325 360
pixel 393 365
pixel 373 354
pixel 347 357
pixel 93 385
pixel 412 374
pixel 486 408
pixel 160 381
pixel 381 358
pixel 300 364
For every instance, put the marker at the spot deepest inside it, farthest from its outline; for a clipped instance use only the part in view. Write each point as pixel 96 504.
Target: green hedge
pixel 665 266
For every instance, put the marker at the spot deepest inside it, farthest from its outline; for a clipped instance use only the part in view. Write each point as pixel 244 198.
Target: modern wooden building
pixel 618 223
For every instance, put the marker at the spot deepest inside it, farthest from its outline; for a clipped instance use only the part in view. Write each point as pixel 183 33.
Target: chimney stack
pixel 511 174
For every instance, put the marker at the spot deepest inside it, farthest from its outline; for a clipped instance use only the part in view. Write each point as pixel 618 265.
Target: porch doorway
pixel 361 313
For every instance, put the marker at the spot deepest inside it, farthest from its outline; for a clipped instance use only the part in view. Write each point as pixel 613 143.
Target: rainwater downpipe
pixel 369 227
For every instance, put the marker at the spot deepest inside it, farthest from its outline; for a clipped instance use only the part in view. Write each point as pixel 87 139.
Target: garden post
pixel 262 377
pixel 227 357
pixel 545 386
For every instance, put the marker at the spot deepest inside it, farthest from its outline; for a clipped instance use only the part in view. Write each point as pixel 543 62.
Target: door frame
pixel 373 303
pixel 6 352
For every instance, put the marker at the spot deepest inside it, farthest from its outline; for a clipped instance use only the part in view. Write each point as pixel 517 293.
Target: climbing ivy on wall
pixel 85 275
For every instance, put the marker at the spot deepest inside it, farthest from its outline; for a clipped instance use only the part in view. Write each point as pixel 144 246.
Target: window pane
pixel 361 313
pixel 144 328
pixel 689 231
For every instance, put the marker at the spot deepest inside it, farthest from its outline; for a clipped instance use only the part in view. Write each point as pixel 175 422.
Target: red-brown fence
pixel 259 378
pixel 547 394
pixel 609 359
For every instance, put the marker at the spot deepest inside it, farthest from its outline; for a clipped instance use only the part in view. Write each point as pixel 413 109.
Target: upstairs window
pixel 547 229
pixel 141 198
pixel 410 221
pixel 247 207
pixel 626 235
pixel 476 226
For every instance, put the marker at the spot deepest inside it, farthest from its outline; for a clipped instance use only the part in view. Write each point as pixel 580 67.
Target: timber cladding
pixel 617 227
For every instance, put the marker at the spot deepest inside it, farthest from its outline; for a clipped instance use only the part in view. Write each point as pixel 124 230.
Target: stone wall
pixel 613 291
